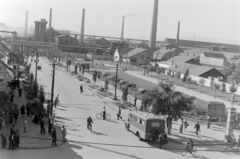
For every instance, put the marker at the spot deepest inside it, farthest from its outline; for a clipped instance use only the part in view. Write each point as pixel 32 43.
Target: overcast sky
pixel 212 20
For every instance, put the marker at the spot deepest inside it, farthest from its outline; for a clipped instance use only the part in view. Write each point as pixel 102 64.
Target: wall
pixel 211 61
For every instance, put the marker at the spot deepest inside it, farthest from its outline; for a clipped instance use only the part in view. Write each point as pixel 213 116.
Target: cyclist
pixel 165 137
pixel 89 122
pixel 190 145
pixel 104 113
pixel 231 140
pixel 161 139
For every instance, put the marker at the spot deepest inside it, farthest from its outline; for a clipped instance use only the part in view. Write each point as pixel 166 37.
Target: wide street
pixel 109 138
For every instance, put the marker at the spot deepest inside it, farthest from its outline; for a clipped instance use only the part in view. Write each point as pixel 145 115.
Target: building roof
pixel 63 32
pixel 179 59
pixel 134 52
pixel 195 70
pixel 160 53
pixel 213 54
pixel 59 36
pixel 198 43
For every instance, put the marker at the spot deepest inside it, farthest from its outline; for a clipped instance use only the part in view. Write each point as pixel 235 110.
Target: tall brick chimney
pixel 152 43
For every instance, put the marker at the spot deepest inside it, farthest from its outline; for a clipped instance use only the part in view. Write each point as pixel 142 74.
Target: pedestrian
pixel 104 113
pixel 19 92
pixel 22 109
pixel 81 89
pixel 16 115
pixel 197 127
pixel 16 138
pixel 119 114
pixel 11 141
pixel 4 139
pixel 181 126
pixel 64 133
pixel 208 122
pixel 186 124
pixel 25 125
pixel 42 128
pixel 54 137
pixel 169 124
pixel 28 109
pixel 12 130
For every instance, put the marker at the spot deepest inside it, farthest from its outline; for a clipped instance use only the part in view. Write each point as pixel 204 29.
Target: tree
pixel 185 76
pixel 41 95
pixel 125 94
pixel 106 85
pixel 159 70
pixel 94 77
pixel 223 87
pixel 189 79
pixel 216 87
pixel 35 89
pixel 229 70
pixel 178 76
pixel 31 78
pixel 233 88
pixel 168 102
pixel 201 81
pixel 212 82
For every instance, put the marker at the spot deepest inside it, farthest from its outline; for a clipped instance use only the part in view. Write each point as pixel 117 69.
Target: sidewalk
pixel 32 139
pixel 203 97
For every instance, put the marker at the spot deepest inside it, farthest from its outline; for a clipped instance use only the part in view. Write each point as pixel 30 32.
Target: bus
pixel 145 126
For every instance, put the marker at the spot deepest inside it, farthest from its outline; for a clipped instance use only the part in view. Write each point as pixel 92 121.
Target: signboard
pixel 215 108
pixel 116 55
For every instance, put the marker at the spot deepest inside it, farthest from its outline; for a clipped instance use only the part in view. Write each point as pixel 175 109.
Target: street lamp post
pixel 36 68
pixel 116 58
pixel 52 91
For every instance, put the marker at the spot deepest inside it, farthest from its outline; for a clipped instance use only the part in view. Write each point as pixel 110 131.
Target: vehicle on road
pixel 100 115
pixel 146 126
pixel 189 149
pixel 233 145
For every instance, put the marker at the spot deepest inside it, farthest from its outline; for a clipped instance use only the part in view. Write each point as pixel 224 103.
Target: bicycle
pixel 187 150
pixel 232 145
pixel 100 115
pixel 162 144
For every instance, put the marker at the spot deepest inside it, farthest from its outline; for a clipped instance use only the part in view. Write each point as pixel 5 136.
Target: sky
pixel 204 20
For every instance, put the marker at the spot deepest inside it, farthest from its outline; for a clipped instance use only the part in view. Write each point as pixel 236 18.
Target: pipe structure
pixel 178 31
pixel 26 23
pixel 50 19
pixel 122 32
pixel 153 36
pixel 82 27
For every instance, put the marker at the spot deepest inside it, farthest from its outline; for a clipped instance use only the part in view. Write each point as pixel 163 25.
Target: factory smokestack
pixel 82 27
pixel 177 39
pixel 122 29
pixel 26 24
pixel 50 19
pixel 152 43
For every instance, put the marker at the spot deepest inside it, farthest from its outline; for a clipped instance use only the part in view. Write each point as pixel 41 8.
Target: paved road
pixel 109 138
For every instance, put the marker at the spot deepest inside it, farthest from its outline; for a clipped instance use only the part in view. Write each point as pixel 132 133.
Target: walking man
pixel 104 113
pixel 81 89
pixel 11 142
pixel 16 116
pixel 50 123
pixel 19 92
pixel 4 139
pixel 64 133
pixel 197 127
pixel 17 139
pixel 42 130
pixel 25 125
pixel 119 114
pixel 54 137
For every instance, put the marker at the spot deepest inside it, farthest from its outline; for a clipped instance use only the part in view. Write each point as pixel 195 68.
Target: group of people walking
pixel 14 138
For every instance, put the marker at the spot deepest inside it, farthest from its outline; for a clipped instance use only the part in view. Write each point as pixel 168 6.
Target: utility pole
pixel 115 95
pixel 52 92
pixel 92 56
pixel 36 67
pixel 67 61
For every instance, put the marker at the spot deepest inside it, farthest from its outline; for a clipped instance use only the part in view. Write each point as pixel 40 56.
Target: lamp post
pixel 52 91
pixel 36 67
pixel 116 58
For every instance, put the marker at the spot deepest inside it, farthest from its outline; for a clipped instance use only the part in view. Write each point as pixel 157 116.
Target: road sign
pixel 116 55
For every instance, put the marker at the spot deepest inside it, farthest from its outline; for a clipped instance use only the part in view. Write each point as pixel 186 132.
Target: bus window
pixel 155 124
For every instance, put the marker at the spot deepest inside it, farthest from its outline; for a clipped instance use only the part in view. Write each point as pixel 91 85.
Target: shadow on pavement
pixel 58 117
pixel 98 133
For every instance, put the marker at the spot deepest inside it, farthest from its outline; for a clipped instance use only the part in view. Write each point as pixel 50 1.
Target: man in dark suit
pixel 54 137
pixel 42 127
pixel 11 142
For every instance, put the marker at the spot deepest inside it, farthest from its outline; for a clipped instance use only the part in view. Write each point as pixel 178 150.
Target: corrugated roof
pixel 179 59
pixel 63 32
pixel 195 70
pixel 214 55
pixel 198 43
pixel 134 52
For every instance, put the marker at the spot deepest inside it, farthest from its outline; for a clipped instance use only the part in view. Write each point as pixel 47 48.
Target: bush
pixel 132 85
pixel 106 74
